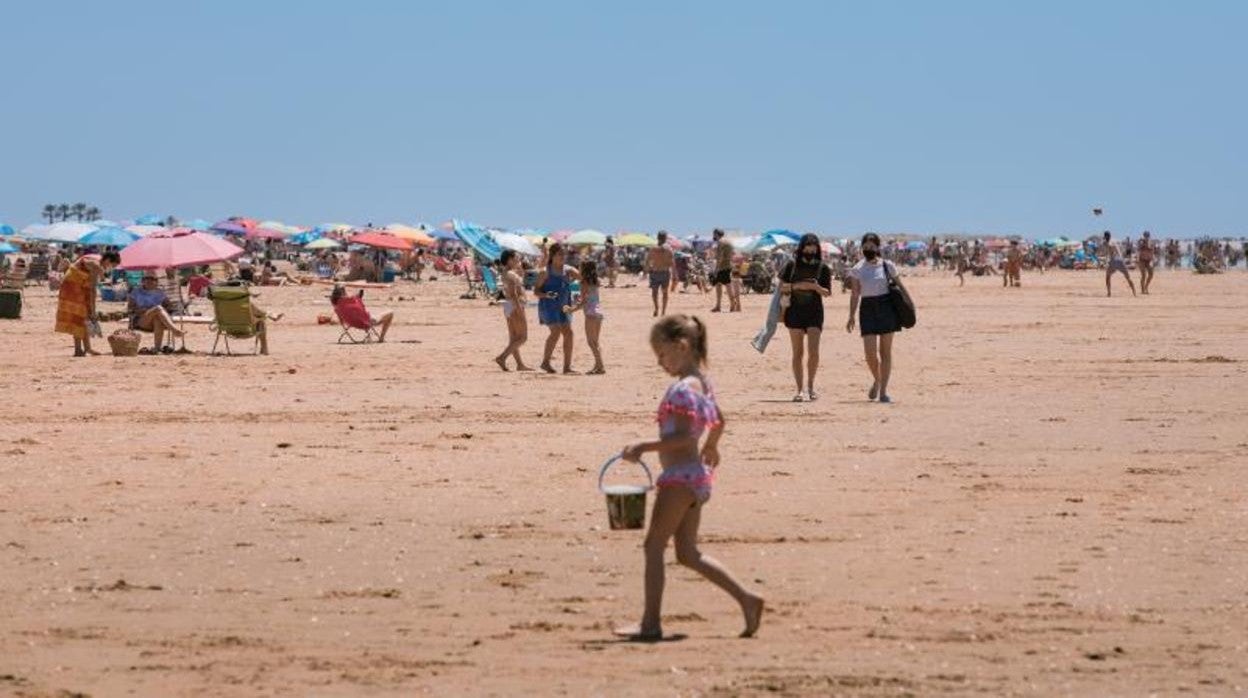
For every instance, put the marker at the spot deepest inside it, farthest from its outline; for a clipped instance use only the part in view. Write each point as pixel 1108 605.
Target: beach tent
pixel 478 239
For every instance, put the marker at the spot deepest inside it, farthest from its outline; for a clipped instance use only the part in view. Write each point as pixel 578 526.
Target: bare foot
pixel 753 610
pixel 502 362
pixel 636 633
pixel 547 367
pixel 278 317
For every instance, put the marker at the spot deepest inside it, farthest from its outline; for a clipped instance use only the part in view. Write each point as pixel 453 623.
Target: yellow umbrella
pixel 407 232
pixel 635 240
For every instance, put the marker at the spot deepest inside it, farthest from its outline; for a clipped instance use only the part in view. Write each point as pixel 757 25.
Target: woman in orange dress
pixel 75 304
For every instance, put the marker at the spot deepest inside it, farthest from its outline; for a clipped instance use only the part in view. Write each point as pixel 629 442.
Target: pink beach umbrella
pixel 561 235
pixel 264 234
pixel 179 247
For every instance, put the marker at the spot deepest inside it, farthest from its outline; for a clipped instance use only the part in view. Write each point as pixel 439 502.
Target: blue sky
pixel 830 116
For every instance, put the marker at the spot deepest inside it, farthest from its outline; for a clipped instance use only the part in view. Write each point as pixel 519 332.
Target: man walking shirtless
pixel 659 263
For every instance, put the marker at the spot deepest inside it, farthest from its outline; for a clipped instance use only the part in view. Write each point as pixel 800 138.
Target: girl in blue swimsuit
pixel 554 293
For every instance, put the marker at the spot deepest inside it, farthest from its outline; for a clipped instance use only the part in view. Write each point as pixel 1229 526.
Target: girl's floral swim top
pixel 682 400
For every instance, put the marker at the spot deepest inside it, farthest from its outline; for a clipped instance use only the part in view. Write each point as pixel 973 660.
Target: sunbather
pixel 353 313
pixel 147 310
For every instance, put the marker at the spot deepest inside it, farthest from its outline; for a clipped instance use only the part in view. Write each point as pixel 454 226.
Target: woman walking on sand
pixel 869 283
pixel 804 282
pixel 75 301
pixel 554 291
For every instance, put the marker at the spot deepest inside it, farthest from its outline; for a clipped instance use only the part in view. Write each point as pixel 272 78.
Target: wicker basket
pixel 125 342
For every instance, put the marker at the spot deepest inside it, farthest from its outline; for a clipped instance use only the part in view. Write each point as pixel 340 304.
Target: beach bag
pixel 899 298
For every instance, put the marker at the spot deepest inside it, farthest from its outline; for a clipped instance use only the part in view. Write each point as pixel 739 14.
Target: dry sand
pixel 1053 506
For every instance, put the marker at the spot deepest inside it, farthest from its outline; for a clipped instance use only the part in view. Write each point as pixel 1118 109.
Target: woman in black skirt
pixel 877 320
pixel 804 282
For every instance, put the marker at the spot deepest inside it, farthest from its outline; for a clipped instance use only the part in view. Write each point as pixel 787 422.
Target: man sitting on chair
pixel 353 314
pixel 147 309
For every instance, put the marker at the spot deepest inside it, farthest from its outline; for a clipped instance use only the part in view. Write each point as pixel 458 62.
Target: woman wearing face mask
pixel 804 282
pixel 877 320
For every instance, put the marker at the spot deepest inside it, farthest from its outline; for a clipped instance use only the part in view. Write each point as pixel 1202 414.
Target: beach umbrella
pixel 407 232
pixel 58 232
pixel 322 244
pixel 232 227
pixel 916 245
pixel 440 234
pixel 305 237
pixel 478 240
pixel 780 233
pixel 635 240
pixel 6 230
pixel 380 240
pixel 260 233
pixel 144 230
pixel 586 237
pixel 33 231
pixel 150 219
pixel 6 248
pixel 197 224
pixel 109 237
pixel 560 235
pixel 178 247
pixel 519 243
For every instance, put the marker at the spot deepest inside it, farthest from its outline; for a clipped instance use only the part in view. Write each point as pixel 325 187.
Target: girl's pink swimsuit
pixel 703 413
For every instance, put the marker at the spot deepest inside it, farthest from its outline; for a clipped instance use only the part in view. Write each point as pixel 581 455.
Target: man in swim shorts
pixel 1109 250
pixel 722 278
pixel 659 263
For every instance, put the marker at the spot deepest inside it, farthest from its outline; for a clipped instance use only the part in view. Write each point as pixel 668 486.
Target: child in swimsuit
pixel 592 306
pixel 687 413
pixel 513 311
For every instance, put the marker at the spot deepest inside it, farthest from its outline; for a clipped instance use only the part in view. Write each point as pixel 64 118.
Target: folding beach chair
pixel 38 272
pixel 354 332
pixel 233 316
pixel 473 275
pixel 490 280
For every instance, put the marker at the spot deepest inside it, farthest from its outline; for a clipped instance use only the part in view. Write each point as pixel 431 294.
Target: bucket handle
pixel 617 458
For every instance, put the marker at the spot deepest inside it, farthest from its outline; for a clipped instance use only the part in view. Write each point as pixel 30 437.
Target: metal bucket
pixel 626 504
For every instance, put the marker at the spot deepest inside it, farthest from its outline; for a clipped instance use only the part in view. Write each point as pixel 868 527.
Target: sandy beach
pixel 1054 505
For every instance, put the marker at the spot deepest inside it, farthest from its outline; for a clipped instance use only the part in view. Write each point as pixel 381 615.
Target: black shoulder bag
pixel 899 299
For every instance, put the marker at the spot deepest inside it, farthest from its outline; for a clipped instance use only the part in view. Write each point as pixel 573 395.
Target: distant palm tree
pixel 49 212
pixel 93 213
pixel 78 210
pixel 62 211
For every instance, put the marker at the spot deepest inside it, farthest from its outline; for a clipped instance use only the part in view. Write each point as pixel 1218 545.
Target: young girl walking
pixel 687 413
pixel 592 305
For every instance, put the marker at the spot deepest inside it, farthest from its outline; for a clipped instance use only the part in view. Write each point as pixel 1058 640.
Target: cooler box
pixel 11 304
